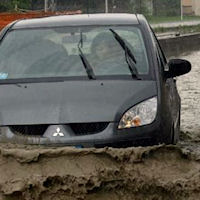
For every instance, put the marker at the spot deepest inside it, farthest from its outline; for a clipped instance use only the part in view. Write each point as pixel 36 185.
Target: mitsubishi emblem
pixel 58 133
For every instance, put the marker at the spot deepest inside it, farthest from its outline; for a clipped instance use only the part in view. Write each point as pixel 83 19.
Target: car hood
pixel 70 101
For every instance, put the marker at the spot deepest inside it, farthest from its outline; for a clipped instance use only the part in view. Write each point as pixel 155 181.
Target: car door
pixel 169 97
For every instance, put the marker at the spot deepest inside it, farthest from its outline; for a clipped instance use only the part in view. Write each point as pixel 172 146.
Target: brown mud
pixel 142 173
pixel 159 172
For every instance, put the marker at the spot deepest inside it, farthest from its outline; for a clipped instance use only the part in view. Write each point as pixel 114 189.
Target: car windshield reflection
pixel 53 52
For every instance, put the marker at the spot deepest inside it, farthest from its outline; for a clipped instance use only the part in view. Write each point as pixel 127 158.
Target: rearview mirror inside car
pixel 177 67
pixel 73 38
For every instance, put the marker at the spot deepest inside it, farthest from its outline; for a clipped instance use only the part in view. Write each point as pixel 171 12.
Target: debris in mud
pixel 160 172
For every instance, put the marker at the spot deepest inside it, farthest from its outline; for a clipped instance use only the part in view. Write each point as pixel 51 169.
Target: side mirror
pixel 178 67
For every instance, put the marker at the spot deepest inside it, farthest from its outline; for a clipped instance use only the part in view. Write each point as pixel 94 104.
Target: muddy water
pixel 150 173
pixel 143 173
pixel 189 89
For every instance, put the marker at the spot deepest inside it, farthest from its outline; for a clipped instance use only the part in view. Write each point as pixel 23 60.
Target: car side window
pixel 160 54
pixel 161 58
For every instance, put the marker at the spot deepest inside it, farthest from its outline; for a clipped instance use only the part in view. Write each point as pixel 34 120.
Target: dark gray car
pixel 87 80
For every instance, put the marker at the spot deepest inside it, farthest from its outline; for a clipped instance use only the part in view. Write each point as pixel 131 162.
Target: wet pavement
pixel 189 89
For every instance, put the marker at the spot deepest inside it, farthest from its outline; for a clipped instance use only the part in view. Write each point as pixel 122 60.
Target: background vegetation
pixel 10 5
pixel 146 7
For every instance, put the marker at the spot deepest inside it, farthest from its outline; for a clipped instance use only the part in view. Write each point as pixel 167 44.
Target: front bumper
pixel 59 135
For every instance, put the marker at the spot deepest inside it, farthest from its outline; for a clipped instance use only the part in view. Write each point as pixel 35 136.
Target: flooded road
pixel 189 89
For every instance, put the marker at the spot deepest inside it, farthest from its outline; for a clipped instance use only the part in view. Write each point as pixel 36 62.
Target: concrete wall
pixel 187 2
pixel 196 6
pixel 187 7
pixel 175 46
pixel 191 7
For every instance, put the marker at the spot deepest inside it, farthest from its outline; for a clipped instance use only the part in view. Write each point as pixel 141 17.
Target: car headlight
pixel 141 114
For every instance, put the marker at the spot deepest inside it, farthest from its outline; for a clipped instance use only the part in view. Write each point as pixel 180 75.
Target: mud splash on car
pixel 160 172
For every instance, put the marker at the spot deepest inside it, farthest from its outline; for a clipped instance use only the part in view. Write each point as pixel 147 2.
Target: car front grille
pixel 29 130
pixel 88 128
pixel 78 129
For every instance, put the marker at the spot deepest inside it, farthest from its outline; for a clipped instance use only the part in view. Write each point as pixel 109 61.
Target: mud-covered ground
pixel 100 174
pixel 151 173
pixel 189 89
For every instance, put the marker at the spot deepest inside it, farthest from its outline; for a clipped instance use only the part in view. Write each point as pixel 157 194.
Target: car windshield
pixel 54 52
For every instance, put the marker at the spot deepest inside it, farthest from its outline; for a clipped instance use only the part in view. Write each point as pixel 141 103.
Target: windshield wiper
pixel 130 58
pixel 84 60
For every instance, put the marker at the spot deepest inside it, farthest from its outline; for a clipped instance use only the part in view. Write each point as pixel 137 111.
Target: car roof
pixel 78 20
